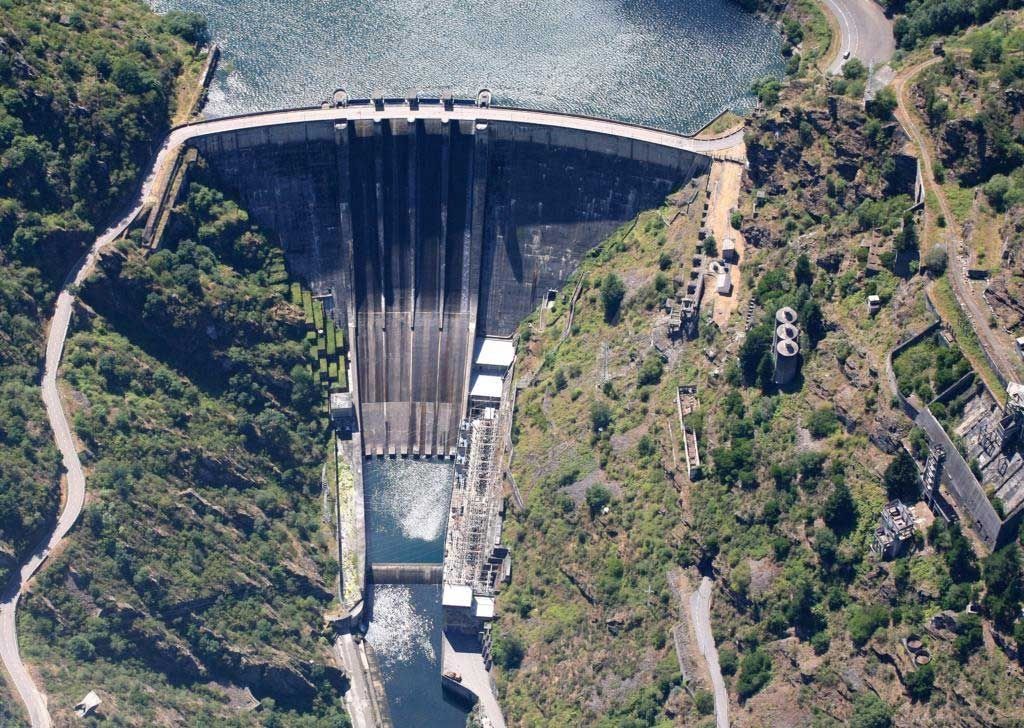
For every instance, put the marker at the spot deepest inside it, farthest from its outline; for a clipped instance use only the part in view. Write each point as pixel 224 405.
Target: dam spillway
pixel 425 233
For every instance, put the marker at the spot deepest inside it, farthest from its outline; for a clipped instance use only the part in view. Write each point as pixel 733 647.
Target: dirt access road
pixel 994 345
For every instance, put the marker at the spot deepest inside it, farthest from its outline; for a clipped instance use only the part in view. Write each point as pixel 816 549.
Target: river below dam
pixel 406 515
pixel 674 64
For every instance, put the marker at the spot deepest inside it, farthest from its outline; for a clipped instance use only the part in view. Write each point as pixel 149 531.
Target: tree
pixel 507 651
pixel 864 621
pixel 612 293
pixel 840 513
pixel 651 370
pixel 884 103
pixel 969 637
pixel 854 70
pixel 802 272
pixel 870 711
pixel 901 479
pixel 710 246
pixel 920 682
pixel 304 389
pixel 600 416
pixel 755 672
pixel 1003 588
pixel 935 260
pixel 598 496
pixel 704 701
pixel 767 91
pixel 813 321
pixel 822 422
pixel 190 26
pixel 755 346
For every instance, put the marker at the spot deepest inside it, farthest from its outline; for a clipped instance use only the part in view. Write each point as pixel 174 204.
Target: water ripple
pixel 669 63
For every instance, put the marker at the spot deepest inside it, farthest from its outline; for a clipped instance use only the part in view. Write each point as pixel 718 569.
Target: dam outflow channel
pixel 406 513
pixel 430 229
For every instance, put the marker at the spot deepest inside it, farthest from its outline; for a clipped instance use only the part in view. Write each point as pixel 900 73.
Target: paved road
pixel 31 696
pixel 700 614
pixel 968 302
pixel 359 700
pixel 34 699
pixel 462 655
pixel 864 32
pixel 464 112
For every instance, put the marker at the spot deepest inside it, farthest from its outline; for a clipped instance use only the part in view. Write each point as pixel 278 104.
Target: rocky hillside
pixel 198 578
pixel 809 621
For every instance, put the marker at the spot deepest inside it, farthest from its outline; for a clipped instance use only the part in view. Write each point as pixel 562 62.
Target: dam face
pixel 426 234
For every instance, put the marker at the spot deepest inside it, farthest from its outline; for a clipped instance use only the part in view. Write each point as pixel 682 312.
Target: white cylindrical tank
pixel 787 358
pixel 786 315
pixel 786 331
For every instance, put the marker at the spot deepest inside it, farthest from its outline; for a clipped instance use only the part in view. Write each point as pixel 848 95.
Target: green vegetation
pixel 929 368
pixel 612 293
pixel 920 19
pixel 755 672
pixel 201 560
pixel 81 103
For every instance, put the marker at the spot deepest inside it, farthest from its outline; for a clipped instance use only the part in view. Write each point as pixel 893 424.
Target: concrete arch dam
pixel 426 232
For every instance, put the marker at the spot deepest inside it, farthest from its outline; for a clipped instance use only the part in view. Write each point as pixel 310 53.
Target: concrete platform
pixel 462 654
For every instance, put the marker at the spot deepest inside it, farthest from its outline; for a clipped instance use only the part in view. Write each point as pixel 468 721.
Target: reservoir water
pixel 406 514
pixel 674 64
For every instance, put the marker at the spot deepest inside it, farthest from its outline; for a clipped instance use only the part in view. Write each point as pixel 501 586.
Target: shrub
pixel 822 423
pixel 600 416
pixel 755 672
pixel 612 293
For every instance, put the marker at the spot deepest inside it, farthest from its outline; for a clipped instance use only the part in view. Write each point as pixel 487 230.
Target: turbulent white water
pixel 414 496
pixel 669 63
pixel 399 631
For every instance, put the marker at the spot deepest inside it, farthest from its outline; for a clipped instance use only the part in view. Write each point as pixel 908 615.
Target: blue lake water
pixel 674 64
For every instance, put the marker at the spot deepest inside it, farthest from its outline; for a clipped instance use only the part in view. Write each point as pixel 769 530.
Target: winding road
pixel 700 614
pixel 864 32
pixel 74 497
pixel 149 192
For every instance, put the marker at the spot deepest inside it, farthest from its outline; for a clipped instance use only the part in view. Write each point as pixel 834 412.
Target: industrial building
pixel 895 531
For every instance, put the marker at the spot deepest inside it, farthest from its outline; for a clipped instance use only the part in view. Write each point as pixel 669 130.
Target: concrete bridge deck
pixel 460 111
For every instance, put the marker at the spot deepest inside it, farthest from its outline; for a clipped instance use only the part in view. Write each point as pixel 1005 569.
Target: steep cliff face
pixel 202 568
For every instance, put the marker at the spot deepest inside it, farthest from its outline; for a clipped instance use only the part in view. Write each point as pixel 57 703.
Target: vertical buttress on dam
pixel 424 234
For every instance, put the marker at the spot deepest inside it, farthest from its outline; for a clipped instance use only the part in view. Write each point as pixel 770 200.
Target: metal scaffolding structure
pixel 474 523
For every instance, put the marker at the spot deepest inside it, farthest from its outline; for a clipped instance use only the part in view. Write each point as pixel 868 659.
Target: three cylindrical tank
pixel 786 345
